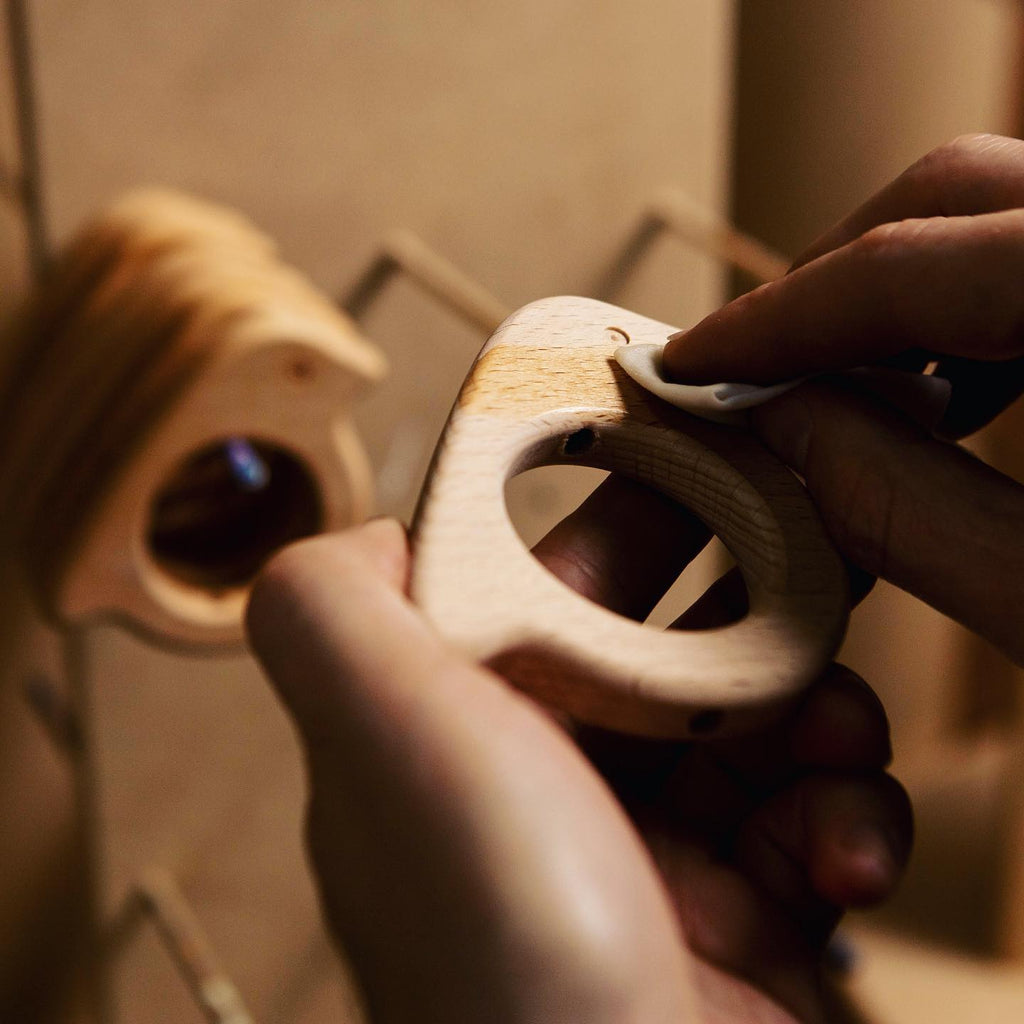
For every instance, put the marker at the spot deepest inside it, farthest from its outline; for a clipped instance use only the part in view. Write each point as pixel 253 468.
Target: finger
pixel 950 286
pixel 826 842
pixel 639 770
pixel 923 398
pixel 729 922
pixel 374 560
pixel 840 725
pixel 727 599
pixel 461 842
pixel 970 175
pixel 922 513
pixel 624 546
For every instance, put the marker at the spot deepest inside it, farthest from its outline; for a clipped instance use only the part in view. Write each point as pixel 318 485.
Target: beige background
pixel 522 142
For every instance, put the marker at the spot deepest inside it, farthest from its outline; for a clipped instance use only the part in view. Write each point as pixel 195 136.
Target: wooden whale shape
pixel 544 390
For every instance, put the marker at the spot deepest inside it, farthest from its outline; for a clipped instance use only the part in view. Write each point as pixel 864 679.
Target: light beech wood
pixel 545 389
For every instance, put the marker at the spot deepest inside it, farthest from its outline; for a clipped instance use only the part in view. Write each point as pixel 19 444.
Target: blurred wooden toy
pixel 176 404
pixel 179 406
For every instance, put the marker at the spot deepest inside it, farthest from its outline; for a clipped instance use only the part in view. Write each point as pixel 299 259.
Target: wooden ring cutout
pixel 545 389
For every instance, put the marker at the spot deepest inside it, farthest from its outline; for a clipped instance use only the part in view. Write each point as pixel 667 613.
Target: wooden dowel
pixel 187 942
pixel 10 184
pixel 30 179
pixel 698 226
pixel 674 212
pixel 405 252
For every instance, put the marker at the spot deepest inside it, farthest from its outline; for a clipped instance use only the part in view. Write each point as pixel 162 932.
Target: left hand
pixel 927 271
pixel 478 860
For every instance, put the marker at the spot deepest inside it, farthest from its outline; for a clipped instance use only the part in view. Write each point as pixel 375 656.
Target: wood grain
pixel 545 389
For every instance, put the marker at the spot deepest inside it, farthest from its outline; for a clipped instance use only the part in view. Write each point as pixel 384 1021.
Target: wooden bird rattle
pixel 545 390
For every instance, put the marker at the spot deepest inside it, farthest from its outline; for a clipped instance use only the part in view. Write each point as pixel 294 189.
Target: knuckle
pixel 878 242
pixel 881 259
pixel 577 571
pixel 959 176
pixel 953 155
pixel 996 300
pixel 965 147
pixel 866 513
pixel 886 241
pixel 281 579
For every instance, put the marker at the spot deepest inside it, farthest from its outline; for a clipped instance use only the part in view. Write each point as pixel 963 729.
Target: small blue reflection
pixel 247 466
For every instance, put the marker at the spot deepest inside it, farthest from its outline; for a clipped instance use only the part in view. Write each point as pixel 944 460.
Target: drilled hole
pixel 705 722
pixel 300 370
pixel 579 443
pixel 227 509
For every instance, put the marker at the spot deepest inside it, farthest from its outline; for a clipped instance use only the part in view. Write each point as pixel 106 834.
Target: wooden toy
pixel 546 389
pixel 166 341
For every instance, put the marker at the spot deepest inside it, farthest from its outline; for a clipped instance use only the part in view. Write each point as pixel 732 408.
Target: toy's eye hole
pixel 227 508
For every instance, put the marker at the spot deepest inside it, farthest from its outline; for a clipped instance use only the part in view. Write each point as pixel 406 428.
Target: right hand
pixel 480 860
pixel 929 269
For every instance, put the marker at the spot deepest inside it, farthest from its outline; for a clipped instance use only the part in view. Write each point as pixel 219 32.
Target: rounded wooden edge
pixel 477 582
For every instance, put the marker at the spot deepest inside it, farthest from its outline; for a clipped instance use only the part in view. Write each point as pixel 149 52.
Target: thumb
pixel 919 512
pixel 470 862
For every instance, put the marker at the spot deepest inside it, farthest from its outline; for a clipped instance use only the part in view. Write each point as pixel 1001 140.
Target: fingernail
pixel 386 543
pixel 785 427
pixel 677 335
pixel 870 856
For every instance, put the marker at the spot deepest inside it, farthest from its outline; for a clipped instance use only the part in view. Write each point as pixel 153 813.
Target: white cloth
pixel 921 396
pixel 724 403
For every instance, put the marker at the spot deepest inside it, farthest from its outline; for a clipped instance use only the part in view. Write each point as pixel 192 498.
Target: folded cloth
pixel 922 397
pixel 724 403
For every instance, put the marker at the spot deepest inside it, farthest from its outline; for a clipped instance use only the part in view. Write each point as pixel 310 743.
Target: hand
pixel 930 269
pixel 480 860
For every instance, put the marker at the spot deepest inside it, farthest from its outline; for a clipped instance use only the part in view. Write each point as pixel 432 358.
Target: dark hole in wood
pixel 579 442
pixel 218 519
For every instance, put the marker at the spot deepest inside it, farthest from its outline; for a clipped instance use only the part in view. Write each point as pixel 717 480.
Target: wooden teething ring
pixel 545 389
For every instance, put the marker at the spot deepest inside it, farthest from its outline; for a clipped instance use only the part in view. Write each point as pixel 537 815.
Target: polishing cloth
pixel 923 397
pixel 724 403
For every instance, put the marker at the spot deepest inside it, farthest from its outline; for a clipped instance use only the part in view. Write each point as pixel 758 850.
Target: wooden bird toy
pixel 179 401
pixel 545 390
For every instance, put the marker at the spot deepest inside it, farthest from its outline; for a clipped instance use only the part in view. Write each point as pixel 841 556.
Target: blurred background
pixel 525 144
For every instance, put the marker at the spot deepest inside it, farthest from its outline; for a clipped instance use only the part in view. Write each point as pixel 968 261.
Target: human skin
pixel 929 269
pixel 481 859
